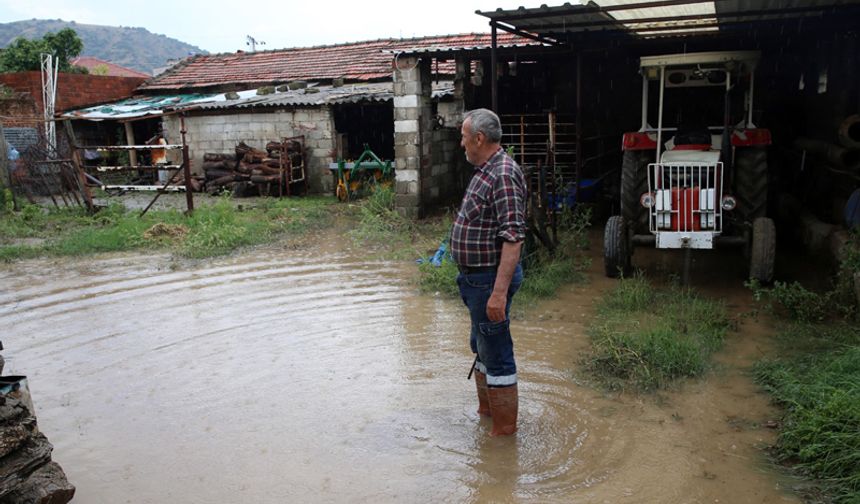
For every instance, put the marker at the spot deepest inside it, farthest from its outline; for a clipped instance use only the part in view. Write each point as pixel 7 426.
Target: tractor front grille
pixel 687 197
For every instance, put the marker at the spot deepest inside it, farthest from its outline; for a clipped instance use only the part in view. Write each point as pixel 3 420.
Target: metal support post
pixel 578 122
pixel 186 167
pixel 494 84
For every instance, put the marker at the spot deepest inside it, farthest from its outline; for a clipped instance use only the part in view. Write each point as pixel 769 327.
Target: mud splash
pixel 322 376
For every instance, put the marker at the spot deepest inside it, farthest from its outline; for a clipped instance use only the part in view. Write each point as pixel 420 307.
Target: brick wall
pixel 74 90
pixel 221 133
pixel 19 111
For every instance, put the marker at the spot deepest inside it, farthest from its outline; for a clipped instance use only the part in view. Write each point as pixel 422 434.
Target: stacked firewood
pixel 249 169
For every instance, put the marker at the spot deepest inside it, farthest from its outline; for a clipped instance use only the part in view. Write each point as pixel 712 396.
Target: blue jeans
pixel 490 340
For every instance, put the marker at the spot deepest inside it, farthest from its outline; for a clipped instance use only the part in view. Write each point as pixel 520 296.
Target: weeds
pixel 646 338
pixel 817 380
pixel 379 221
pixel 820 436
pixel 803 305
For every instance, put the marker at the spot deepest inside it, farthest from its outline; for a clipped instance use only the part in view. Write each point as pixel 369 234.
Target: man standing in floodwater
pixel 486 240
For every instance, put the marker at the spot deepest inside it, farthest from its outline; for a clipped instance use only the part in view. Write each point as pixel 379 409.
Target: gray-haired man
pixel 485 243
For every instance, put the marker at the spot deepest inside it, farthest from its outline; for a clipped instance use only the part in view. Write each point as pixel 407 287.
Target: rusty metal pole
pixel 494 84
pixel 79 165
pixel 186 167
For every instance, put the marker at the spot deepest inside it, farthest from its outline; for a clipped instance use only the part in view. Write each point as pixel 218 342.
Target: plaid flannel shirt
pixel 492 211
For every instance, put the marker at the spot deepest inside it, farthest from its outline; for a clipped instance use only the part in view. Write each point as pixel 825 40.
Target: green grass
pixel 816 378
pixel 213 229
pixel 820 392
pixel 645 338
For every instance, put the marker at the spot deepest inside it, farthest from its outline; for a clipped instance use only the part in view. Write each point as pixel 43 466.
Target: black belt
pixel 469 270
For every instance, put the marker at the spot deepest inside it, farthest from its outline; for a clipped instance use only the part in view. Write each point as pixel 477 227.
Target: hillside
pixel 135 48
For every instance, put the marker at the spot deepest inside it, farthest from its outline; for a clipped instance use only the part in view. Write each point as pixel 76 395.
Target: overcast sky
pixel 221 26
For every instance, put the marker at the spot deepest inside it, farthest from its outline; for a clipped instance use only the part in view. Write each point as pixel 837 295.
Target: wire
pixel 397 64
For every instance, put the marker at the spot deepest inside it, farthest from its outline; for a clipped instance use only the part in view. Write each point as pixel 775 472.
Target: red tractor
pixel 701 182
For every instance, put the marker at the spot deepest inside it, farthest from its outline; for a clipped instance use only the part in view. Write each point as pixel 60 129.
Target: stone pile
pixel 27 474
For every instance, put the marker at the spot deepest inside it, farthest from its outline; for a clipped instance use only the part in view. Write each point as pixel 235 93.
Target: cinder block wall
pixel 222 132
pixel 428 158
pixel 441 185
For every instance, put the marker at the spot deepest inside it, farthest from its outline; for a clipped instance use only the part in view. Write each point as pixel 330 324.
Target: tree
pixel 24 54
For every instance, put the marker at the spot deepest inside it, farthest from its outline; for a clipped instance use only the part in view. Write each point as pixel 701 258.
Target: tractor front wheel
pixel 634 182
pixel 616 247
pixel 763 250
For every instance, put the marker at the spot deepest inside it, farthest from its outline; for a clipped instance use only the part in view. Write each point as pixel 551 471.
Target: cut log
pixel 219 165
pixel 220 181
pixel 213 157
pixel 265 179
pixel 216 174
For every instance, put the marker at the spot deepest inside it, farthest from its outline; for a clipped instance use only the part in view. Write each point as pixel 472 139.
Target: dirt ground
pixel 320 374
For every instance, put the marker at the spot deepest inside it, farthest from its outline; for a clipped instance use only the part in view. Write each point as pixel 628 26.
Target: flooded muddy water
pixel 324 376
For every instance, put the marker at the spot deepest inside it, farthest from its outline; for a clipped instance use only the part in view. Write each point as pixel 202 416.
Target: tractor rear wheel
pixel 763 250
pixel 751 182
pixel 616 248
pixel 634 182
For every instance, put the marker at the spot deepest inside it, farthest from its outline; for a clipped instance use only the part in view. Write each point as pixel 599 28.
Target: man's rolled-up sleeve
pixel 509 202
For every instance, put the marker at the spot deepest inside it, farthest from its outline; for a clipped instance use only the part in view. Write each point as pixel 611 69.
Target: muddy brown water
pixel 322 375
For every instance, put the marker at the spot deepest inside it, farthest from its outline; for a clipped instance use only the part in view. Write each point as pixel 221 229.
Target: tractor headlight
pixel 647 200
pixel 729 202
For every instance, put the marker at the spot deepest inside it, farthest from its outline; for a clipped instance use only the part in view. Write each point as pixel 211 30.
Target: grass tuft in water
pixel 379 221
pixel 645 338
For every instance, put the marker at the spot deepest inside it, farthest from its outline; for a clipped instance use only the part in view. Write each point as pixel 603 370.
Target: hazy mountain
pixel 135 48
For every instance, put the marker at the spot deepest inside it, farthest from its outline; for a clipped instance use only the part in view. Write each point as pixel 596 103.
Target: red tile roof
pixel 356 61
pixel 113 70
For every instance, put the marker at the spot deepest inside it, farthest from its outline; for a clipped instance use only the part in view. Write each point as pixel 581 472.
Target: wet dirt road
pixel 309 376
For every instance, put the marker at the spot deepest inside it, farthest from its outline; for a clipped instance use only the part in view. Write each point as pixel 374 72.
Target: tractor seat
pixel 692 139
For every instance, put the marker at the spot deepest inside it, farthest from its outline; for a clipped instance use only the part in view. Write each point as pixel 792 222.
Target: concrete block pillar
pixel 413 133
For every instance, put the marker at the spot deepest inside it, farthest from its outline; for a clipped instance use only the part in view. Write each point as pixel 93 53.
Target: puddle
pixel 318 375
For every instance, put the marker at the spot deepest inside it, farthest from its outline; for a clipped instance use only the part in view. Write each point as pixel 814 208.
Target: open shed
pixel 569 100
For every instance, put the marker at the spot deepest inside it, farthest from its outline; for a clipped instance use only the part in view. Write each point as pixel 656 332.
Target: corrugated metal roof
pixel 479 47
pixel 324 95
pixel 321 95
pixel 654 18
pixel 358 61
pixel 140 106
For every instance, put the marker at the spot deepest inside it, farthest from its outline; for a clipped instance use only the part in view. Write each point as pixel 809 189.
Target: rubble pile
pixel 27 474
